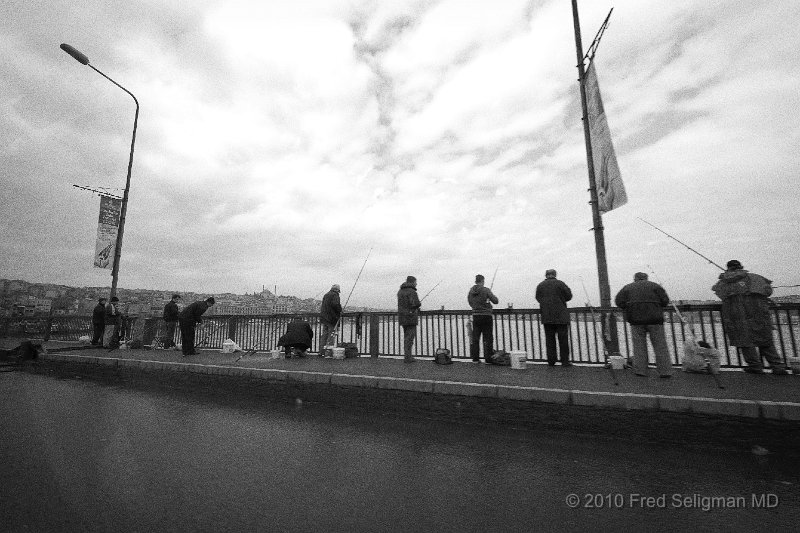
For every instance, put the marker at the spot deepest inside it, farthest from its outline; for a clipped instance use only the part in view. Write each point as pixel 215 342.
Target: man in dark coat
pixel 99 321
pixel 553 295
pixel 188 319
pixel 480 299
pixel 329 314
pixel 643 303
pixel 170 321
pixel 746 317
pixel 408 305
pixel 113 319
pixel 297 338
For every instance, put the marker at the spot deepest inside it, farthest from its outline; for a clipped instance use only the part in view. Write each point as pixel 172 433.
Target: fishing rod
pixel 691 329
pixel 430 291
pixel 494 276
pixel 682 243
pixel 608 365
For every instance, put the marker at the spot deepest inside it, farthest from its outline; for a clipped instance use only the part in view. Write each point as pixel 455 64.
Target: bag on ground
pixel 700 357
pixel 442 357
pixel 501 358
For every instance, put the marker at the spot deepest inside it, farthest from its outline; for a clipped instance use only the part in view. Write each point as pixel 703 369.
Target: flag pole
pixel 610 335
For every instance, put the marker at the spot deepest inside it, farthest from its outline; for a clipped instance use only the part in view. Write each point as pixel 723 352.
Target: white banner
pixel 610 189
pixel 107 227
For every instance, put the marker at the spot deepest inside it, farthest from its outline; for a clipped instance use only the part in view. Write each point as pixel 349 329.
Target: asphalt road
pixel 83 454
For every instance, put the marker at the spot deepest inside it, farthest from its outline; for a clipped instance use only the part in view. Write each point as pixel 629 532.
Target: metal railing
pixel 379 334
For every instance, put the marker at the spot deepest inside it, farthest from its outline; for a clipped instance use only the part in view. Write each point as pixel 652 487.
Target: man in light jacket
pixel 480 299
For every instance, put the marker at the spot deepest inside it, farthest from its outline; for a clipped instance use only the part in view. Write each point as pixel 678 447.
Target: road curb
pixel 729 407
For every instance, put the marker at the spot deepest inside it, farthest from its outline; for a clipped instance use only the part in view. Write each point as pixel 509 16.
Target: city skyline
pixel 280 142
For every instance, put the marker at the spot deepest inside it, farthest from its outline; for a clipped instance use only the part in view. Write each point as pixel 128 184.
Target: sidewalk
pixel 745 395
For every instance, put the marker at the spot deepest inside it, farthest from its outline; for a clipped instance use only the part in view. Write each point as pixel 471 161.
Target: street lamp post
pixel 81 58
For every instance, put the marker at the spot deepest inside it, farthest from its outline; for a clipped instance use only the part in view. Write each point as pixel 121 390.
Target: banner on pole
pixel 610 189
pixel 107 229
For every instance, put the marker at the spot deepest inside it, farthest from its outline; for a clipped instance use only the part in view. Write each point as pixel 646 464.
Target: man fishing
pixel 408 305
pixel 553 295
pixel 643 302
pixel 480 299
pixel 171 313
pixel 746 317
pixel 189 318
pixel 329 314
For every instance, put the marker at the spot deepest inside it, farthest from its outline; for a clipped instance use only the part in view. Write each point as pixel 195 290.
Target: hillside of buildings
pixel 21 298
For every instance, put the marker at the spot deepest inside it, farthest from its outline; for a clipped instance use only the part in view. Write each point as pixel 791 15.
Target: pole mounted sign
pixel 107 230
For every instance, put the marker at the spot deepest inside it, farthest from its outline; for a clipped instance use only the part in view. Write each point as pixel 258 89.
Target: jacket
pixel 408 305
pixel 297 332
pixel 112 314
pixel 480 299
pixel 331 309
pixel 553 295
pixel 171 312
pixel 745 308
pixel 99 314
pixel 643 302
pixel 192 312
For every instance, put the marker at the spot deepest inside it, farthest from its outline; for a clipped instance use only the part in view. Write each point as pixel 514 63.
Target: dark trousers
pixel 752 356
pixel 481 326
pixel 409 334
pixel 187 336
pixel 551 331
pixel 168 340
pixel 98 333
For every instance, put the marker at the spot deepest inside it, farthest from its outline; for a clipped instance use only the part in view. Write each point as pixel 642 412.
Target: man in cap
pixel 480 299
pixel 408 305
pixel 99 321
pixel 553 295
pixel 643 302
pixel 329 314
pixel 189 318
pixel 746 317
pixel 171 312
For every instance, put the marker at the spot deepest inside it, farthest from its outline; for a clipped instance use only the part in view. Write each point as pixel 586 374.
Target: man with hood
pixel 408 305
pixel 480 299
pixel 171 312
pixel 189 318
pixel 746 317
pixel 329 314
pixel 99 321
pixel 553 295
pixel 643 302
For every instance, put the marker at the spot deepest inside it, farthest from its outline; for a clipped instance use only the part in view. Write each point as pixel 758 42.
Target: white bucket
pixel 518 360
pixel 228 346
pixel 794 364
pixel 276 354
pixel 338 353
pixel 617 362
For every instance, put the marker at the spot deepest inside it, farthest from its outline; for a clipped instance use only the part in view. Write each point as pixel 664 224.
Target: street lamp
pixel 81 58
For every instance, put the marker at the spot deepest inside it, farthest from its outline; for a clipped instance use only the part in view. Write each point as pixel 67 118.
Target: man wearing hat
pixel 643 303
pixel 408 305
pixel 112 323
pixel 171 312
pixel 553 295
pixel 746 317
pixel 99 321
pixel 189 318
pixel 329 314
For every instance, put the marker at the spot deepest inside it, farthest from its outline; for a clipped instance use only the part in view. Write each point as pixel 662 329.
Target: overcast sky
pixel 280 141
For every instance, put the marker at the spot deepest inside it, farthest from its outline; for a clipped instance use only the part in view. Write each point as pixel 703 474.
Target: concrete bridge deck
pixel 765 397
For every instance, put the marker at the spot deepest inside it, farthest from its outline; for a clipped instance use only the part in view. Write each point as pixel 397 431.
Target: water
pixel 82 455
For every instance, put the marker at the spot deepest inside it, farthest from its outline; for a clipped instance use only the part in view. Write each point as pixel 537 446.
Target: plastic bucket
pixel 228 346
pixel 338 353
pixel 518 360
pixel 794 364
pixel 276 354
pixel 617 362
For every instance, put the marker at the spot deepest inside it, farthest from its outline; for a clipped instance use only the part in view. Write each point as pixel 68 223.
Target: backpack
pixel 500 357
pixel 443 357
